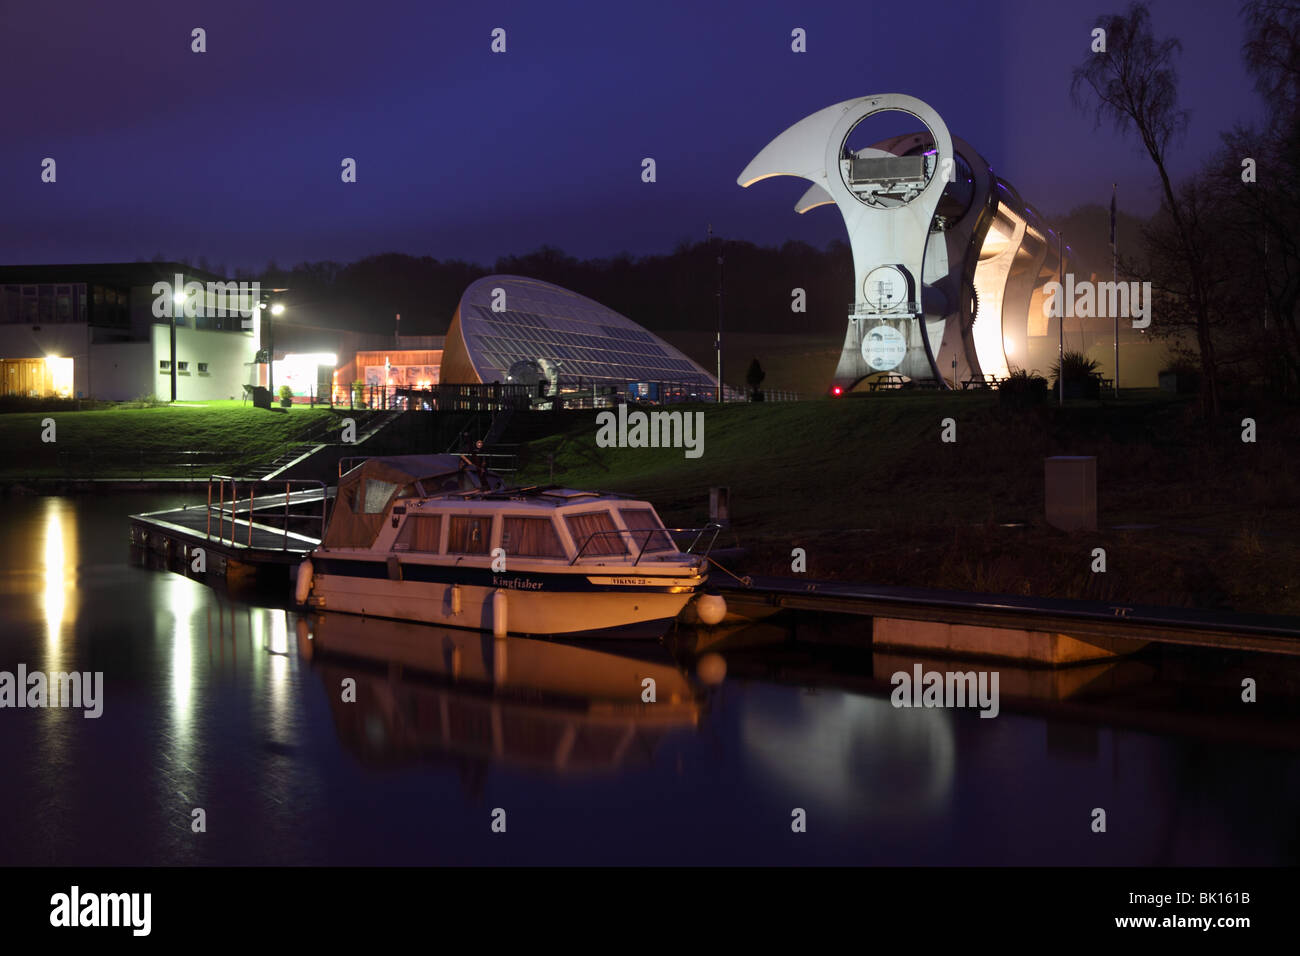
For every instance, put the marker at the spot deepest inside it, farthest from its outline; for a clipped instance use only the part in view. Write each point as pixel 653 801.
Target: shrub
pixel 1080 373
pixel 1022 389
pixel 286 393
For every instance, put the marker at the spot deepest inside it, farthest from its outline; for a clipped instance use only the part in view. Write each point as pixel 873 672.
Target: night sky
pixel 234 154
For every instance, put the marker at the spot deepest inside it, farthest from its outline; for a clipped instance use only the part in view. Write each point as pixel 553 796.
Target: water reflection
pixel 857 754
pixel 60 558
pixel 429 693
pixel 235 705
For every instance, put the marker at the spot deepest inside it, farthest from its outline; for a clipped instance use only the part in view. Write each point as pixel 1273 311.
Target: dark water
pixel 237 709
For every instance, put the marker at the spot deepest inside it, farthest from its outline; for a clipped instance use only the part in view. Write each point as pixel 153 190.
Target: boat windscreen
pixel 646 530
pixel 594 533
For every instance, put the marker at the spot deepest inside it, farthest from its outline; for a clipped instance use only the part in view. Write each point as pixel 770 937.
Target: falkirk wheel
pixel 949 262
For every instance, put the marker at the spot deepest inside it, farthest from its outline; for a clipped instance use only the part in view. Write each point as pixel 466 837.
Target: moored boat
pixel 440 540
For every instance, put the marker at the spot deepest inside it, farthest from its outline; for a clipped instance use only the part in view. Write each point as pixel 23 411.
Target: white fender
pixel 712 608
pixel 499 614
pixel 303 587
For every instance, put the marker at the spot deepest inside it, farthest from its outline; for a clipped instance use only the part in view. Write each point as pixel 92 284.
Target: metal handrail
pixel 699 533
pixel 650 533
pixel 291 487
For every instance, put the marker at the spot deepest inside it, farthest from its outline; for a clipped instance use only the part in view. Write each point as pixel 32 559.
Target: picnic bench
pixel 986 380
pixel 888 380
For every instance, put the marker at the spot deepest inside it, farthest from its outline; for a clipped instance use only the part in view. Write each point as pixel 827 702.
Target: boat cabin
pixel 436 507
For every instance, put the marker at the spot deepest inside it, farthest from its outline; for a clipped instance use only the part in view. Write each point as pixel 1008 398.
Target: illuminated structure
pixel 91 330
pixel 509 329
pixel 949 261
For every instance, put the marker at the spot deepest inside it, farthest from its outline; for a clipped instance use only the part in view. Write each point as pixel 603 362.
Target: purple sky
pixel 235 154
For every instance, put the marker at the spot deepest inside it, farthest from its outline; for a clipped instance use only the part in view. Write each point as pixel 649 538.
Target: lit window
pixel 377 495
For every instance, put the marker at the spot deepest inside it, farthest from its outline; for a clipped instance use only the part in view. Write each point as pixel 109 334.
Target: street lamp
pixel 275 308
pixel 178 299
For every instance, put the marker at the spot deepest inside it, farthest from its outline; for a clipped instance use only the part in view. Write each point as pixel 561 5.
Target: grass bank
pixel 1189 514
pixel 124 441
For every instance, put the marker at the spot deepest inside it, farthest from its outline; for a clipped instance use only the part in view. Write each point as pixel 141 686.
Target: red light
pixel 837 390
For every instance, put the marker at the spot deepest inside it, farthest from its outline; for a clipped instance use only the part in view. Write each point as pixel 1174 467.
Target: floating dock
pixel 1039 630
pixel 248 528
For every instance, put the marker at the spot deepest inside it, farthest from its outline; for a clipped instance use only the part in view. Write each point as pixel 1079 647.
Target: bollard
pixel 720 506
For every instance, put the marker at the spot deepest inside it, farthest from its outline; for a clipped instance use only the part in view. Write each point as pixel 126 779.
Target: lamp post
pixel 178 302
pixel 718 342
pixel 1114 274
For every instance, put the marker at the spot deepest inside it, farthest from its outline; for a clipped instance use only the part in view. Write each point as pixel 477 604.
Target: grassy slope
pixel 866 485
pixel 798 363
pixel 125 441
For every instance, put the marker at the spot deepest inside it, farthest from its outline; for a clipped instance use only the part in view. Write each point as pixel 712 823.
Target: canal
pixel 336 740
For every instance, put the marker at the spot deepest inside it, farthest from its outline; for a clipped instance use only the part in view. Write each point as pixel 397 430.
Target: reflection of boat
pixel 432 538
pixel 423 691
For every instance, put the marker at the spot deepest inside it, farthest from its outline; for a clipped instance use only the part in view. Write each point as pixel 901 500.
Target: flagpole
pixel 1060 319
pixel 1114 275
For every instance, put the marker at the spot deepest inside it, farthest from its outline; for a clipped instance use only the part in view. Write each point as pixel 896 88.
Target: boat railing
pixel 699 533
pixel 648 536
pixel 225 504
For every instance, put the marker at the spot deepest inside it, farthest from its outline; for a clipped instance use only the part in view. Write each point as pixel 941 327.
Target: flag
pixel 1112 217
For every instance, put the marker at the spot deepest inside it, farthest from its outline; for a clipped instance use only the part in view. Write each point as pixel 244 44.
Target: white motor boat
pixel 440 540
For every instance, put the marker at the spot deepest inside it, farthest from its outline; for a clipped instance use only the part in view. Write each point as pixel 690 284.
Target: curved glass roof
pixel 564 333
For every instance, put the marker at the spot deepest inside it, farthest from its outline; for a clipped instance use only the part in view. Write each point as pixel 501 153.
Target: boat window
pixel 641 520
pixel 531 538
pixel 419 533
pixel 409 491
pixel 468 535
pixel 376 497
pixel 583 526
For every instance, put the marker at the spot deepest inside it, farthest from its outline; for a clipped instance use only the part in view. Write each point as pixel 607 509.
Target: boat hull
pixel 536 603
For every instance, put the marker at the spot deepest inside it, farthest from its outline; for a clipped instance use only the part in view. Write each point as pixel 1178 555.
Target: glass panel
pixel 531 538
pixel 377 495
pixel 467 535
pixel 639 520
pixel 419 533
pixel 583 526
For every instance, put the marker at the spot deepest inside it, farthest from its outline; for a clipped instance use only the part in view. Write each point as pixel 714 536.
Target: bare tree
pixel 1133 83
pixel 1270 206
pixel 1272 50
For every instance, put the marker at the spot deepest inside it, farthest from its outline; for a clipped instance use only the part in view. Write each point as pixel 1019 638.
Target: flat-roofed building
pixel 92 330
